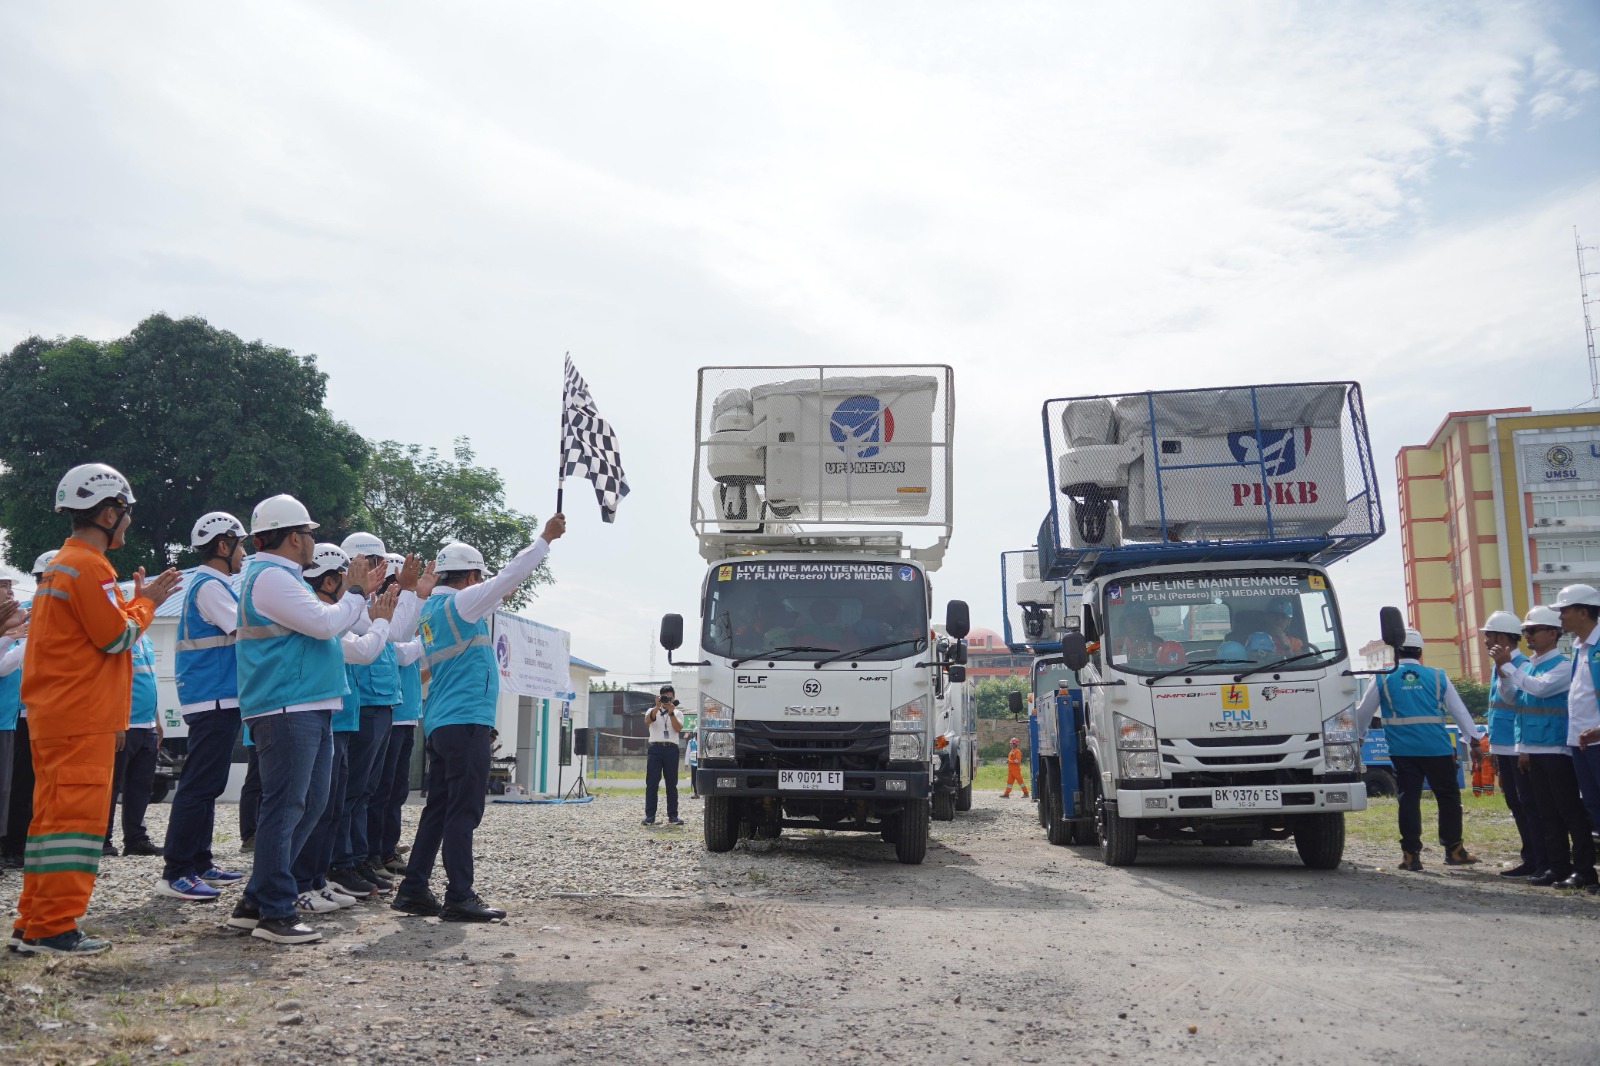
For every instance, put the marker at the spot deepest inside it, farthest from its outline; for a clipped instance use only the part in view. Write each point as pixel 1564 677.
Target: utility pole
pixel 1588 319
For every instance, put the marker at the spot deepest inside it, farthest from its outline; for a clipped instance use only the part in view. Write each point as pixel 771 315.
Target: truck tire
pixel 1057 829
pixel 1380 781
pixel 721 824
pixel 911 842
pixel 944 805
pixel 1119 840
pixel 1319 838
pixel 159 790
pixel 964 797
pixel 1041 797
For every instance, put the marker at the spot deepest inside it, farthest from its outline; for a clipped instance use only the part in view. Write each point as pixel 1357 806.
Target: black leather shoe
pixel 382 881
pixel 1575 881
pixel 471 909
pixel 1520 870
pixel 141 847
pixel 424 903
pixel 1544 879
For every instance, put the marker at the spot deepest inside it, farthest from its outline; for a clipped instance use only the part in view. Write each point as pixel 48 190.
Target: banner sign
pixel 533 659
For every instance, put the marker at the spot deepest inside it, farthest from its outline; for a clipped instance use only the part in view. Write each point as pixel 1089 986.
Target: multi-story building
pixel 1498 511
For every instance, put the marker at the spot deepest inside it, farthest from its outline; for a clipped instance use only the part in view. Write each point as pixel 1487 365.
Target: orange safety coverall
pixel 1014 771
pixel 1483 774
pixel 77 676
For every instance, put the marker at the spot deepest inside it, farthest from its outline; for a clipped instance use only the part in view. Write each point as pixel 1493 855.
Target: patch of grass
pixel 1487 825
pixel 993 775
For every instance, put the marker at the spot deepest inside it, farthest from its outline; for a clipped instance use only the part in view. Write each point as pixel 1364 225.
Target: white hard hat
pixel 1577 596
pixel 326 557
pixel 13 576
pixel 279 512
pixel 43 561
pixel 1503 622
pixel 1543 616
pixel 458 556
pixel 214 525
pixel 396 562
pixel 363 544
pixel 1413 639
pixel 84 486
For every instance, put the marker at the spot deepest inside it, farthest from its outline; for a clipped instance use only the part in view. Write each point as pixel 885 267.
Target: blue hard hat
pixel 1283 607
pixel 1260 641
pixel 1231 651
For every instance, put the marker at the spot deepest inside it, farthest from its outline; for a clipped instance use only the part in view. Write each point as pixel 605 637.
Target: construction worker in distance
pixel 1504 629
pixel 457 718
pixel 208 698
pixel 291 680
pixel 1547 690
pixel 1014 770
pixel 1416 702
pixel 14 830
pixel 76 680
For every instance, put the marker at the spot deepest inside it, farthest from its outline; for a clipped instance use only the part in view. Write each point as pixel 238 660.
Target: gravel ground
pixel 632 944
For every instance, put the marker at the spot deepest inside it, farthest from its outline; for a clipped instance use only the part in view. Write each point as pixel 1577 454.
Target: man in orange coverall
pixel 77 674
pixel 1014 770
pixel 1482 769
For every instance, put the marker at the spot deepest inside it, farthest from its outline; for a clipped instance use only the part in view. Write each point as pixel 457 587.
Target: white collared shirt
pixel 477 602
pixel 661 731
pixel 1581 710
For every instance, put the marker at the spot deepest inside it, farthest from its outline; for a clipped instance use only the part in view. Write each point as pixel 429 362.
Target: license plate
pixel 1242 798
pixel 811 780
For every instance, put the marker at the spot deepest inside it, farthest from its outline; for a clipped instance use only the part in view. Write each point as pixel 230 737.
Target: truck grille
pixel 812 745
pixel 1235 741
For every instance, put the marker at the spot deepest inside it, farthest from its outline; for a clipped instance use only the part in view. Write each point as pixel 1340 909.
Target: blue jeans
pixel 661 761
pixel 1586 764
pixel 394 785
pixel 366 764
pixel 458 784
pixel 315 859
pixel 212 735
pixel 295 754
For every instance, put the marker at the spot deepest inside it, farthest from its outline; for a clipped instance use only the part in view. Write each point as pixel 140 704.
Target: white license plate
pixel 811 780
pixel 1241 798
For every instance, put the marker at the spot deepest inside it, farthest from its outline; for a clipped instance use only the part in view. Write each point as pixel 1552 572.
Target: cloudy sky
pixel 1054 199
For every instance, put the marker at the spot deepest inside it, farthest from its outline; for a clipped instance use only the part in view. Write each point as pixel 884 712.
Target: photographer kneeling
pixel 662 760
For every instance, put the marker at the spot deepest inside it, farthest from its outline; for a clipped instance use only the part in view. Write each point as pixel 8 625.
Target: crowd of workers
pixel 314 653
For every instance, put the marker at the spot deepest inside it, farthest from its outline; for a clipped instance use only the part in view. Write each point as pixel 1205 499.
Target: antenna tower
pixel 1588 320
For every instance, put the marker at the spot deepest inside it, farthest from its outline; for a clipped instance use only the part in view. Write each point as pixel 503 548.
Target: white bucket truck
pixel 1201 685
pixel 827 700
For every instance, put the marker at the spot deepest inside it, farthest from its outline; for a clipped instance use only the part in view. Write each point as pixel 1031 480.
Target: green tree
pixel 196 419
pixel 991 695
pixel 1473 693
pixel 417 501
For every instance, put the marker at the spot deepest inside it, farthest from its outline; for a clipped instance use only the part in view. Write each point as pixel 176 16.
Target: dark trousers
pixel 7 736
pixel 21 812
pixel 366 758
pixel 1518 790
pixel 315 858
pixel 458 785
pixel 1555 789
pixel 1586 763
pixel 295 750
pixel 661 762
pixel 394 785
pixel 1440 772
pixel 250 796
pixel 132 778
pixel 212 736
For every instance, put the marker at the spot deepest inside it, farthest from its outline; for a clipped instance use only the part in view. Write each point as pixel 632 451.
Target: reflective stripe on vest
pixel 224 640
pixel 206 668
pixel 279 667
pixel 466 680
pixel 1414 720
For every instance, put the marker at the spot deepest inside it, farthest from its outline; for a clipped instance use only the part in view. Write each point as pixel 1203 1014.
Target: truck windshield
pixel 1221 622
pixel 754 607
pixel 1048 674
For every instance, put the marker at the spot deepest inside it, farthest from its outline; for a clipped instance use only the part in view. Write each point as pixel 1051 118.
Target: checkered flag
pixel 588 445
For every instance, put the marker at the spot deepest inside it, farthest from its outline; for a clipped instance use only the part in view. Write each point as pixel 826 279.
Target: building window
pixel 1551 507
pixel 1567 551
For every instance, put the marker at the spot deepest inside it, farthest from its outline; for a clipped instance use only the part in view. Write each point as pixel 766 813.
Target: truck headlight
pixel 715 714
pixel 1134 736
pixel 1340 729
pixel 906 747
pixel 1341 758
pixel 1138 764
pixel 910 716
pixel 716 744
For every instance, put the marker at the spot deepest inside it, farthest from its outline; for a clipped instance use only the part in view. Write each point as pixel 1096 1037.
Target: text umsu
pixel 1283 492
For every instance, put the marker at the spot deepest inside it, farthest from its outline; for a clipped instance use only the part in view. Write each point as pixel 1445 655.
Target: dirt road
pixel 1000 948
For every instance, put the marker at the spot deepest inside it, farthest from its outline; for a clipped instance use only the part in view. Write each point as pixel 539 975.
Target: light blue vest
pixel 465 682
pixel 279 667
pixel 377 684
pixel 347 719
pixel 207 668
pixel 409 709
pixel 142 707
pixel 1542 720
pixel 1503 716
pixel 10 699
pixel 1411 703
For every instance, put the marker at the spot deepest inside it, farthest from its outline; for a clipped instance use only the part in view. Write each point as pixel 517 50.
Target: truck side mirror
pixel 957 619
pixel 957 674
pixel 958 654
pixel 1391 626
pixel 672 631
pixel 1074 651
pixel 1014 703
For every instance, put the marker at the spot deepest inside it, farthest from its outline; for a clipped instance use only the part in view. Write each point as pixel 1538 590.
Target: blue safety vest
pixel 10 698
pixel 409 709
pixel 1542 720
pixel 1411 703
pixel 207 668
pixel 142 706
pixel 465 682
pixel 347 719
pixel 377 684
pixel 1503 716
pixel 279 667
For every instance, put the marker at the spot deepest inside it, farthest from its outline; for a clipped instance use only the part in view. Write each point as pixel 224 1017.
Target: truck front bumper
pixel 858 784
pixel 1158 802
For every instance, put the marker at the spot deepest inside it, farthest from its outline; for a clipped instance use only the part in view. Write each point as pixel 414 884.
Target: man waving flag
pixel 588 445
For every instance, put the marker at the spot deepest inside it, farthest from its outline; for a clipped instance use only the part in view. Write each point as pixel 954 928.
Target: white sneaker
pixel 337 898
pixel 313 903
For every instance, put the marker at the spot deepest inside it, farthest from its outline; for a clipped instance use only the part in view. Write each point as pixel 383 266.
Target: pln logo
pixel 1277 450
pixel 502 653
pixel 860 425
pixel 1235 698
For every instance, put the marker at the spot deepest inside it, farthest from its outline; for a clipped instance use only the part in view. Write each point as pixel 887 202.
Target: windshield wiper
pixel 869 649
pixel 779 651
pixel 1284 662
pixel 1153 678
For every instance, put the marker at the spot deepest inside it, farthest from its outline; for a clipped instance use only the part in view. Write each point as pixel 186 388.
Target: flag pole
pixel 561 445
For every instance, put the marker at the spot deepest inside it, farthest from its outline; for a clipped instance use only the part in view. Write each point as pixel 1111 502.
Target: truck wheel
pixel 944 805
pixel 1119 841
pixel 911 842
pixel 159 790
pixel 1041 799
pixel 964 797
pixel 722 827
pixel 1319 838
pixel 1057 828
pixel 1380 781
